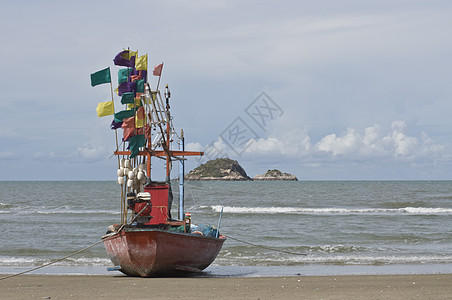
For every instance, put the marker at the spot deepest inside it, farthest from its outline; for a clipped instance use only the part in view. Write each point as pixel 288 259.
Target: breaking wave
pixel 331 210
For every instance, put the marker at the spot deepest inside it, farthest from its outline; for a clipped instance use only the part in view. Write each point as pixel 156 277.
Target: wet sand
pixel 296 287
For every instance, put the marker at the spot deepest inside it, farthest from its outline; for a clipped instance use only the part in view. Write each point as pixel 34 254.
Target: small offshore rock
pixel 275 175
pixel 219 169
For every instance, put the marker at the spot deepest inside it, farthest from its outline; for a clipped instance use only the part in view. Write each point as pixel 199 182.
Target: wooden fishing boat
pixel 148 241
pixel 150 251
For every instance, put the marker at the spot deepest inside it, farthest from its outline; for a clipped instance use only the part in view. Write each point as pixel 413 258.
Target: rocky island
pixel 275 175
pixel 228 169
pixel 218 169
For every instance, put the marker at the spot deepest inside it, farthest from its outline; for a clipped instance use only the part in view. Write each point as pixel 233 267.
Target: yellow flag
pixel 139 123
pixel 105 109
pixel 141 63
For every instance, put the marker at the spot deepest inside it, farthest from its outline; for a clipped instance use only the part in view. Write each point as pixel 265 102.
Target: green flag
pixel 123 75
pixel 120 115
pixel 100 77
pixel 127 97
pixel 140 86
pixel 135 142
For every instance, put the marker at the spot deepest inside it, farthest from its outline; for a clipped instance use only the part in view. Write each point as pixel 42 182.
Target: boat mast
pixel 181 178
pixel 168 157
pixel 156 114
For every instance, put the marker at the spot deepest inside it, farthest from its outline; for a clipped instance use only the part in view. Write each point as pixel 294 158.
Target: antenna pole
pixel 181 178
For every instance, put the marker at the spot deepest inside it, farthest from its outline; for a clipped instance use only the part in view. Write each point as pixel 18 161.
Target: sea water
pixel 274 228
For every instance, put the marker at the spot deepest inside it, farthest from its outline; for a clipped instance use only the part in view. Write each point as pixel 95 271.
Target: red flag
pixel 140 113
pixel 158 70
pixel 129 127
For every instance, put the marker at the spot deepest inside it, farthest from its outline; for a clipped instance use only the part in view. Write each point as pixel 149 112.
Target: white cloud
pixel 91 152
pixel 293 142
pixel 370 143
pixel 399 144
pixel 193 147
pixel 346 144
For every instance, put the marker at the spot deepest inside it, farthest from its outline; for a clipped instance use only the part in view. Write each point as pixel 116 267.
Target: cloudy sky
pixel 321 89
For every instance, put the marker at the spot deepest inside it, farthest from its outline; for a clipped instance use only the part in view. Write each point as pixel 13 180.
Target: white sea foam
pixel 17 261
pixel 77 211
pixel 330 210
pixel 36 261
pixel 344 259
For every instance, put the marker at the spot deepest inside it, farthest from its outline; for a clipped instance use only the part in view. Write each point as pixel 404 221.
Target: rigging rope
pixel 265 247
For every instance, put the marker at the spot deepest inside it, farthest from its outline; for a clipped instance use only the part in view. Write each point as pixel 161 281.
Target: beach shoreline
pixel 220 271
pixel 416 286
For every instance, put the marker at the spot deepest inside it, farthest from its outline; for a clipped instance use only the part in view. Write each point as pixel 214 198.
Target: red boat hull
pixel 147 252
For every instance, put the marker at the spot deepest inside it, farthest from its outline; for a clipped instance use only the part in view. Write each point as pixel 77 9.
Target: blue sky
pixel 362 88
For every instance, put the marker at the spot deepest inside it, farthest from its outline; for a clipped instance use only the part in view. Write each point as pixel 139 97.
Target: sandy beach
pixel 296 287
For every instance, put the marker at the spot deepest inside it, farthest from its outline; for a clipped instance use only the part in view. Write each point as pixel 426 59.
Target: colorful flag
pixel 124 74
pixel 140 118
pixel 115 125
pixel 139 123
pixel 125 58
pixel 100 77
pixel 126 87
pixel 127 98
pixel 137 75
pixel 141 62
pixel 137 104
pixel 128 133
pixel 130 128
pixel 105 109
pixel 128 125
pixel 131 54
pixel 135 143
pixel 158 70
pixel 119 116
pixel 140 113
pixel 140 86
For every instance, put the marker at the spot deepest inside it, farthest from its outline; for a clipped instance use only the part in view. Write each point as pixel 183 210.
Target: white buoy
pixel 121 180
pixel 122 162
pixel 127 163
pixel 135 171
pixel 120 172
pixel 129 183
pixel 131 174
pixel 140 175
pixel 142 167
pixel 126 172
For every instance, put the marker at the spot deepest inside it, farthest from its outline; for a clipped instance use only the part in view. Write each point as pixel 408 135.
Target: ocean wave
pixel 325 258
pixel 11 261
pixel 336 248
pixel 80 211
pixel 5 205
pixel 28 209
pixel 330 210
